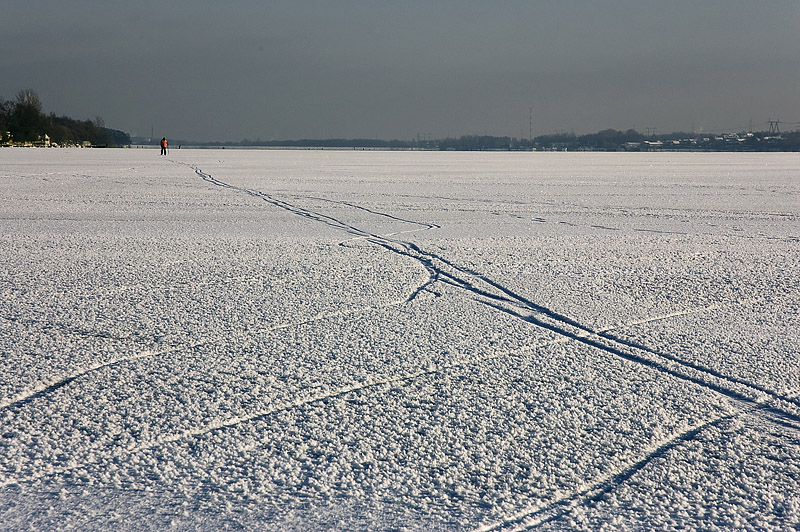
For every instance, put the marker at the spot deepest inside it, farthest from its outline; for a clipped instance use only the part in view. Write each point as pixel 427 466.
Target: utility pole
pixel 530 125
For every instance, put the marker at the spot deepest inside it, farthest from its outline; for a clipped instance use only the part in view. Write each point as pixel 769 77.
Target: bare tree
pixel 30 99
pixel 27 122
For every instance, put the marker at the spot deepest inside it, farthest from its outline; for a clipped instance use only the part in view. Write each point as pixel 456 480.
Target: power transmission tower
pixel 774 127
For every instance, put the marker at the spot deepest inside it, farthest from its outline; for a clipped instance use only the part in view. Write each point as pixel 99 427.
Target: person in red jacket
pixel 164 145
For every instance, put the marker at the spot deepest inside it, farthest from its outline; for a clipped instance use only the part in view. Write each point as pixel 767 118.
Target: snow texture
pixel 337 340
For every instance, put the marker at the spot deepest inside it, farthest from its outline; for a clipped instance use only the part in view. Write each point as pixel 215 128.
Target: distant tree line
pixel 605 140
pixel 22 120
pixel 632 140
pixel 469 142
pixel 479 143
pixel 312 143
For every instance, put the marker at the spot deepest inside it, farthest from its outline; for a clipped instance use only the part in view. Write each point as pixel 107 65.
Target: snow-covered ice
pixel 347 340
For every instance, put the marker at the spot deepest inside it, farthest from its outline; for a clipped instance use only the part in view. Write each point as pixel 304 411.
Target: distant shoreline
pixel 607 140
pixel 661 149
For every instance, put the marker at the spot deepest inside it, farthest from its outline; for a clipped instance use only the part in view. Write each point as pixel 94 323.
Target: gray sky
pixel 211 70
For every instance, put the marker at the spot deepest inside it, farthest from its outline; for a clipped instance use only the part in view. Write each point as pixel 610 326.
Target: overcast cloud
pixel 392 69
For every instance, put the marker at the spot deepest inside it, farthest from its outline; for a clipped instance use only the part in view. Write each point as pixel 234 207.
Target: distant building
pixel 43 141
pixel 653 145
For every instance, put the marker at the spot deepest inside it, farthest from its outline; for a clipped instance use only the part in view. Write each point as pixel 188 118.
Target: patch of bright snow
pixel 295 340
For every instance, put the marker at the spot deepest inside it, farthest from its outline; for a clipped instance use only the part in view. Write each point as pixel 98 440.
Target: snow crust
pixel 303 340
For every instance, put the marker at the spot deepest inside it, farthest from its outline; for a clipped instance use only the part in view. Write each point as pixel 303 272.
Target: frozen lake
pixel 303 340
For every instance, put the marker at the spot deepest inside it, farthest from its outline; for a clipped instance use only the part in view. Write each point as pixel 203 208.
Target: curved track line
pixel 54 384
pixel 730 387
pixel 684 312
pixel 253 416
pixel 426 225
pixel 587 493
pixel 335 392
pixel 385 235
pixel 593 492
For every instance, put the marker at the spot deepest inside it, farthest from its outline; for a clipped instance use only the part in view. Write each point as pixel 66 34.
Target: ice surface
pixel 302 340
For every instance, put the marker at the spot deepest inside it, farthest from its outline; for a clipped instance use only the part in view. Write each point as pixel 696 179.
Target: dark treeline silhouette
pixel 632 140
pixel 482 143
pixel 320 143
pixel 606 140
pixel 23 121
